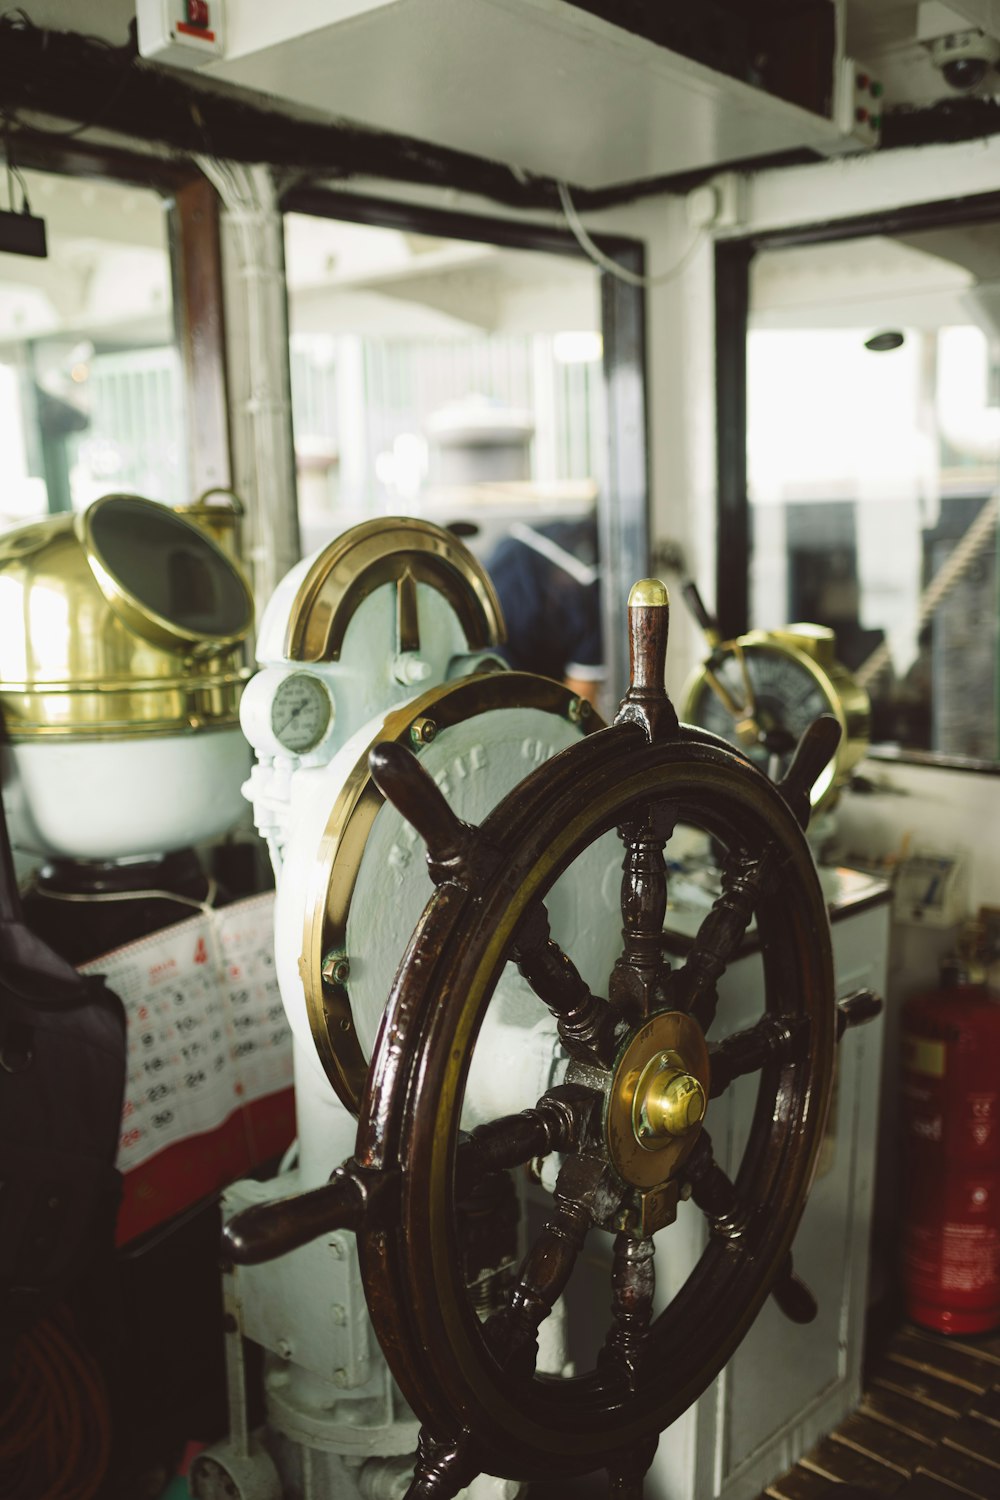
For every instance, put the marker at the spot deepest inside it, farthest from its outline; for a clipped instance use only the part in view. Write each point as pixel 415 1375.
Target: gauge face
pixel 787 697
pixel 301 712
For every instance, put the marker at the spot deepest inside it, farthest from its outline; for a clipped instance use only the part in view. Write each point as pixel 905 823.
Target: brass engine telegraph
pixel 762 690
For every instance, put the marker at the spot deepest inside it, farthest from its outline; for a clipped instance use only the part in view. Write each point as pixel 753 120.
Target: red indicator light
pixel 197 13
pixel 861 115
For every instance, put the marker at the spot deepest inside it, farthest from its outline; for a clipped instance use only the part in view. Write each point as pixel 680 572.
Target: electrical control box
pixel 858 105
pixel 181 33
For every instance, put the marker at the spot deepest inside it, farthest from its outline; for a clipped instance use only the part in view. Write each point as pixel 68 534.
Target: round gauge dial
pixel 285 712
pixel 786 694
pixel 301 712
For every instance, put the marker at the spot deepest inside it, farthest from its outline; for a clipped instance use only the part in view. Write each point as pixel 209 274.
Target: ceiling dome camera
pixel 964 58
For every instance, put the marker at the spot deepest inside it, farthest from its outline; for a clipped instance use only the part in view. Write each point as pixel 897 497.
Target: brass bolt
pixel 422 732
pixel 577 709
pixel 336 968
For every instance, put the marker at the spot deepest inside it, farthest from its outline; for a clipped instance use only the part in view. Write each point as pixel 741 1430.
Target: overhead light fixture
pixel 888 338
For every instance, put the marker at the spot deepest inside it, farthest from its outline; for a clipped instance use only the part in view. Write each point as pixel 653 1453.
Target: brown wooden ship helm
pixel 630 1122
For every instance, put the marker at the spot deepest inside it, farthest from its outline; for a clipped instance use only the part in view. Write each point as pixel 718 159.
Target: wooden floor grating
pixel 928 1428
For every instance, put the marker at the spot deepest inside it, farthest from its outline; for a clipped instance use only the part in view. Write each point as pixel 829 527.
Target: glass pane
pixel 460 383
pixel 90 382
pixel 169 567
pixel 873 461
pixel 456 381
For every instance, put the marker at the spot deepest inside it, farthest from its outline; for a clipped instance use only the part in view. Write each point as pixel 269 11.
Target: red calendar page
pixel 209 1089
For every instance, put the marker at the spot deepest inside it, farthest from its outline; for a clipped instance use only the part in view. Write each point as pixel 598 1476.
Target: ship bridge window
pixel 464 380
pixel 872 471
pixel 90 378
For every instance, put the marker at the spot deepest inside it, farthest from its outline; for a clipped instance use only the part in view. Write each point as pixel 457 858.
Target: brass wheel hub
pixel 657 1099
pixel 668 1101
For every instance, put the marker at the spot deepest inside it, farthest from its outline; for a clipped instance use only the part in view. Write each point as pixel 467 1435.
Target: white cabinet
pixel 542 84
pixel 788 1384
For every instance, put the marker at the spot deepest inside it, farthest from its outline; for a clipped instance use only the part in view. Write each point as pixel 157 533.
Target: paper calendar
pixel 208 1091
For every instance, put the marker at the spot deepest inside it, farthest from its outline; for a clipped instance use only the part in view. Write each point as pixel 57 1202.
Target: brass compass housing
pixel 124 620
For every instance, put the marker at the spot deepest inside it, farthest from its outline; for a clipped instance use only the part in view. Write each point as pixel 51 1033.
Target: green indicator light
pixel 877 90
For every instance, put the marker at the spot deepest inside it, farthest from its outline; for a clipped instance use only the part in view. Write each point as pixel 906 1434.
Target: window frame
pixel 733 260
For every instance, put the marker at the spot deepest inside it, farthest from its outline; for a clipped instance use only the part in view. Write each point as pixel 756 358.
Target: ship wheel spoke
pixel 728 1219
pixel 715 1195
pixel 632 1285
pixel 455 852
pixel 635 986
pixel 744 880
pixel 558 1122
pixel 813 754
pixel 586 1023
pixel 586 1193
pixel 442 1469
pixel 771 1040
pixel 625 1477
pixel 356 1198
pixel 792 1295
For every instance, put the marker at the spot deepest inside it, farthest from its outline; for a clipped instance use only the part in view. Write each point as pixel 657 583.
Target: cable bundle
pixel 55 1429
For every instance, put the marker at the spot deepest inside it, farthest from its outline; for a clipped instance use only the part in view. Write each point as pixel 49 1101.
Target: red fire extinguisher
pixel 951 1111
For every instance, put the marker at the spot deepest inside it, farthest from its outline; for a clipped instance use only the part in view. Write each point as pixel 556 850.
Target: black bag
pixel 62 1081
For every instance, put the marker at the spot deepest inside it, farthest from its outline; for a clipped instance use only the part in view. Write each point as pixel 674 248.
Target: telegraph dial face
pixel 788 690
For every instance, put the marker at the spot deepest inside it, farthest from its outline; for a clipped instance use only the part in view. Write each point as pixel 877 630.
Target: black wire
pixel 14 173
pixel 23 22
